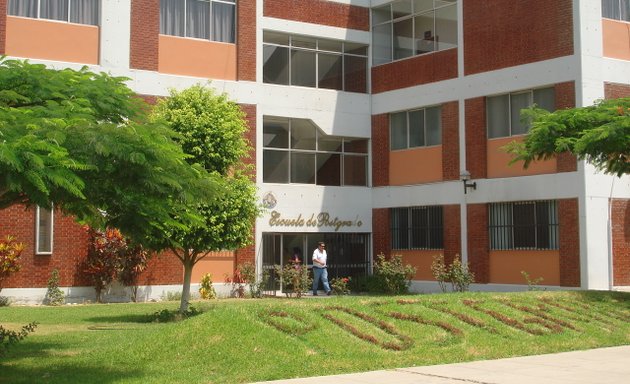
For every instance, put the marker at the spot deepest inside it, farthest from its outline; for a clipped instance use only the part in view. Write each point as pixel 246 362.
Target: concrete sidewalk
pixel 600 366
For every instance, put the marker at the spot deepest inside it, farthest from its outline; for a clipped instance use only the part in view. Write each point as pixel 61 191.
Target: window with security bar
pixel 417 228
pixel 524 225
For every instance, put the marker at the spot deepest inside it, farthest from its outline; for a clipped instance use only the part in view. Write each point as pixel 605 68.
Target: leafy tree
pixel 82 140
pixel 211 130
pixel 599 133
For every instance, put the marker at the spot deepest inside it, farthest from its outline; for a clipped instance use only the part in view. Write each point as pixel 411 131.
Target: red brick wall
pixel 163 268
pixel 3 26
pixel 246 40
pixel 569 227
pixel 621 241
pixel 381 235
pixel 145 29
pixel 476 138
pixel 616 90
pixel 452 232
pixel 450 141
pixel 506 33
pixel 415 70
pixel 69 248
pixel 565 98
pixel 319 12
pixel 478 242
pixel 380 150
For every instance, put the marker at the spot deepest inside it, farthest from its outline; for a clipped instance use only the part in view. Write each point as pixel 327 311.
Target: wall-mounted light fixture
pixel 465 177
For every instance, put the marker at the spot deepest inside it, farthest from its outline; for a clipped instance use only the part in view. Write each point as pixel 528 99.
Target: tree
pixel 211 129
pixel 82 140
pixel 599 133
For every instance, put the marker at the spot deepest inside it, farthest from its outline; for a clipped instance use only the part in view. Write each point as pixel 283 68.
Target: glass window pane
pixel 382 44
pixel 355 146
pixel 223 22
pixel 545 98
pixel 53 9
pixel 355 49
pixel 398 130
pixel 381 14
pixel 328 169
pixel 198 19
pixel 625 10
pixel 419 228
pixel 524 226
pixel 400 228
pixel 422 5
pixel 275 166
pixel 416 128
pixel 498 116
pixel 303 68
pixel 329 45
pixel 610 9
pixel 355 170
pixel 276 133
pixel 355 74
pixel 274 37
pixel 44 230
pixel 433 120
pixel 401 8
pixel 303 134
pixel 519 101
pixel 302 168
pixel 446 27
pixel 25 8
pixel 84 11
pixel 330 71
pixel 303 42
pixel 329 143
pixel 172 17
pixel 424 35
pixel 403 39
pixel 275 65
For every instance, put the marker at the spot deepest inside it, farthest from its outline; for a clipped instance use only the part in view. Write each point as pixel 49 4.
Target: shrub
pixel 130 265
pixel 54 295
pixel 8 338
pixel 391 276
pixel 457 273
pixel 167 316
pixel 340 285
pixel 206 289
pixel 10 253
pixel 237 283
pixel 532 284
pixel 295 279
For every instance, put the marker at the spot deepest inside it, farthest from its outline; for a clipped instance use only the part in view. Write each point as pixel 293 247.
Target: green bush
pixel 457 273
pixel 54 295
pixel 8 338
pixel 391 277
pixel 295 279
pixel 340 285
pixel 206 289
pixel 256 286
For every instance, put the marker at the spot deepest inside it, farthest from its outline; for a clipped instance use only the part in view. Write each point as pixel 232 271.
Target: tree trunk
pixel 188 268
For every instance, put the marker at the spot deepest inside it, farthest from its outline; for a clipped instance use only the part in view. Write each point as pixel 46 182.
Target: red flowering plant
pixel 339 285
pixel 10 252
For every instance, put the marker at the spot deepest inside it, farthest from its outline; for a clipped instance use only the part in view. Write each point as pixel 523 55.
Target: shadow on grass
pixel 18 367
pixel 132 318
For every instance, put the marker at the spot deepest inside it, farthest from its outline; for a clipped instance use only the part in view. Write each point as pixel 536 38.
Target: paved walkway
pixel 595 366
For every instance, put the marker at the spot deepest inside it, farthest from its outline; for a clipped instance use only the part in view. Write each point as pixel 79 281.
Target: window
pixel 202 19
pixel 73 11
pixel 296 151
pixel 524 225
pixel 43 231
pixel 417 228
pixel 616 9
pixel 316 63
pixel 415 128
pixel 408 28
pixel 504 111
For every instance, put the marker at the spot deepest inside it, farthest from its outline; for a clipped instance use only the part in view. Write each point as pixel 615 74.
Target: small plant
pixel 172 296
pixel 8 338
pixel 256 286
pixel 206 289
pixel 458 274
pixel 4 301
pixel 340 285
pixel 295 279
pixel 532 284
pixel 10 253
pixel 167 316
pixel 54 295
pixel 237 283
pixel 130 265
pixel 391 276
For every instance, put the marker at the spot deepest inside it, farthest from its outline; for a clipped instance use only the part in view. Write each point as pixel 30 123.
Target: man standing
pixel 319 268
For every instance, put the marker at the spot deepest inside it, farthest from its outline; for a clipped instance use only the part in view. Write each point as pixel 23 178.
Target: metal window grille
pixel 524 225
pixel 417 228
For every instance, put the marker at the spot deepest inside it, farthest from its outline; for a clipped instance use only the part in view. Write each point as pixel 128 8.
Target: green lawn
pixel 237 341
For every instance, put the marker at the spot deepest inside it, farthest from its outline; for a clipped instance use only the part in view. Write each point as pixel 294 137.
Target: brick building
pixel 365 116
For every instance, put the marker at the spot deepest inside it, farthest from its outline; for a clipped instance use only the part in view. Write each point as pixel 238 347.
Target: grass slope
pixel 238 341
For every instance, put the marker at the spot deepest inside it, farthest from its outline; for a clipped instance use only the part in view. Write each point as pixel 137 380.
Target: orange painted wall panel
pixel 51 40
pixel 498 161
pixel 421 259
pixel 218 264
pixel 415 166
pixel 506 266
pixel 199 58
pixel 616 35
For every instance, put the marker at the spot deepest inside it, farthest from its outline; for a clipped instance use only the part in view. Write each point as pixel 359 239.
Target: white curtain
pixel 25 8
pixel 172 20
pixel 75 11
pixel 84 11
pixel 53 9
pixel 223 21
pixel 198 19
